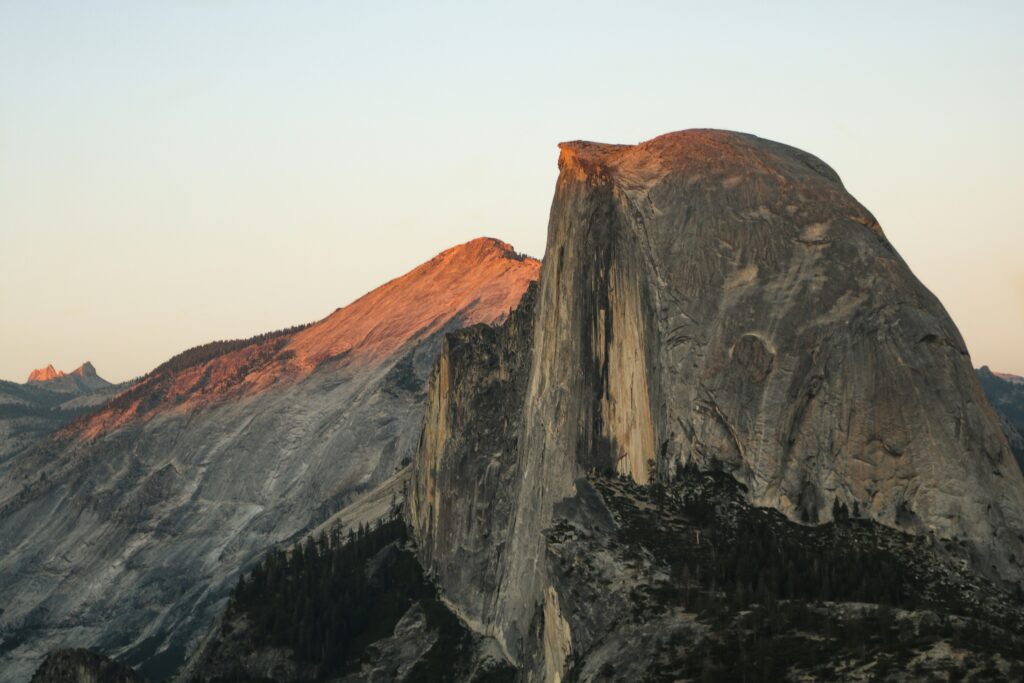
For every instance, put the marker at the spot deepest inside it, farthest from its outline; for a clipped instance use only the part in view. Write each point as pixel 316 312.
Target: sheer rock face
pixel 463 491
pixel 716 298
pixel 125 531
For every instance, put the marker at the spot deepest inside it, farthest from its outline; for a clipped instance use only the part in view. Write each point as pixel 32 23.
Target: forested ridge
pixel 148 391
pixel 780 597
pixel 332 596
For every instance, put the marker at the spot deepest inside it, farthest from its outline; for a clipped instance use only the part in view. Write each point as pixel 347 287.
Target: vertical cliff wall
pixel 715 298
pixel 463 492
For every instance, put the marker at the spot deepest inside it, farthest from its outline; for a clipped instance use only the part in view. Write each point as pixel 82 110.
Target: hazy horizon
pixel 179 173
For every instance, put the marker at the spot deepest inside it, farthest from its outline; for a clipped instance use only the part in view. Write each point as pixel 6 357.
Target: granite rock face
pixel 126 530
pixel 463 492
pixel 706 298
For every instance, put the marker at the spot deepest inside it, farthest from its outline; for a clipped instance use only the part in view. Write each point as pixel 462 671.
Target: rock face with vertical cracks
pixel 713 298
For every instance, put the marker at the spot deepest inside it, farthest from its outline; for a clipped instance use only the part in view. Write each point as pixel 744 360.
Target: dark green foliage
pixel 13 411
pixel 83 665
pixel 402 377
pixel 453 643
pixel 769 643
pixel 778 598
pixel 328 604
pixel 207 352
pixel 744 555
pixel 332 597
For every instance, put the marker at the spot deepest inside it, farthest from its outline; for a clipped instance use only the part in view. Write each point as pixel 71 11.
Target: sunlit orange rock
pixel 476 282
pixel 44 374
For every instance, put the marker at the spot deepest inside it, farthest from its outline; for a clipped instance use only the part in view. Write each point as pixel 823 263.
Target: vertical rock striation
pixel 463 493
pixel 713 298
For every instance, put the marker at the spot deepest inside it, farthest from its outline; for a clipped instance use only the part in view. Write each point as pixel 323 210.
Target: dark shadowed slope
pixel 1006 393
pixel 82 666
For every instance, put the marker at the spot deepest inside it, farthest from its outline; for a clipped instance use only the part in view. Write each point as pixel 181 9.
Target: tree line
pixel 332 596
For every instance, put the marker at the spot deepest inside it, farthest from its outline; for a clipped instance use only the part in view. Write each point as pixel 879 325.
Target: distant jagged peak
pixel 86 369
pixel 81 380
pixel 45 374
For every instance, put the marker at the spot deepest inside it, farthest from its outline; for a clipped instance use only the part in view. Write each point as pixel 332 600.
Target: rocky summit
pixel 44 374
pixel 125 530
pixel 712 300
pixel 726 436
pixel 81 380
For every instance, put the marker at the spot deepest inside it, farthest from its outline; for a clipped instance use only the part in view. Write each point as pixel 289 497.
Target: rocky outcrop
pixel 44 374
pixel 86 369
pixel 81 380
pixel 713 299
pixel 83 666
pixel 126 530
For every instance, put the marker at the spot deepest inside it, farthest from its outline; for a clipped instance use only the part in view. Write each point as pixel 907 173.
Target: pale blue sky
pixel 181 171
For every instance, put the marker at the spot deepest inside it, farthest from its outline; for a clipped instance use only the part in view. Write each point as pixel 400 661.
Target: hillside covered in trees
pixel 336 606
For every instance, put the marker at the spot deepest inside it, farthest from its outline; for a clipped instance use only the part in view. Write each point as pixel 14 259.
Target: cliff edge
pixel 710 299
